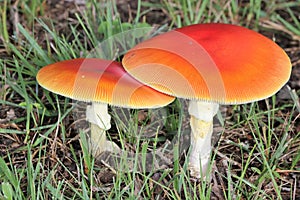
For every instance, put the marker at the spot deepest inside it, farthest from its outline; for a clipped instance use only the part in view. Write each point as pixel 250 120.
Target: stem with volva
pixel 202 114
pixel 99 118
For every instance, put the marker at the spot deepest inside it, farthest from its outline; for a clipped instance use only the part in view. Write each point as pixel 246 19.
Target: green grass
pixel 44 154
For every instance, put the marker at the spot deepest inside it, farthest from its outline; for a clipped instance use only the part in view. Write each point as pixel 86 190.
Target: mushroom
pixel 101 82
pixel 210 64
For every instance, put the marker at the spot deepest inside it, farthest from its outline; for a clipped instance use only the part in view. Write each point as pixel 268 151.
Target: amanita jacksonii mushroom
pixel 101 82
pixel 210 64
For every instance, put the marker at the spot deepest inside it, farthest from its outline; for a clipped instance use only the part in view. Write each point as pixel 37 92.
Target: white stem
pixel 97 115
pixel 202 114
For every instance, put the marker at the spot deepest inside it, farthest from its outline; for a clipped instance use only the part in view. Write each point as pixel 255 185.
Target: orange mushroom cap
pixel 223 63
pixel 97 80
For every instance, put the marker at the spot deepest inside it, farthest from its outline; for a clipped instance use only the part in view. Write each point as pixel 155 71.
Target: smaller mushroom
pixel 101 82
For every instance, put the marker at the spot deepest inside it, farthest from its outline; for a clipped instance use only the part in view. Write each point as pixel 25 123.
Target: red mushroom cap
pixel 223 63
pixel 97 80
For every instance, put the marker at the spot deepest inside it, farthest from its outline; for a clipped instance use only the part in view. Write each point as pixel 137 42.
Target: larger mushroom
pixel 101 82
pixel 210 64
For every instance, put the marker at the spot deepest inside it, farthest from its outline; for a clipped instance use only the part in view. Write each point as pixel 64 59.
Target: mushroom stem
pixel 202 114
pixel 97 115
